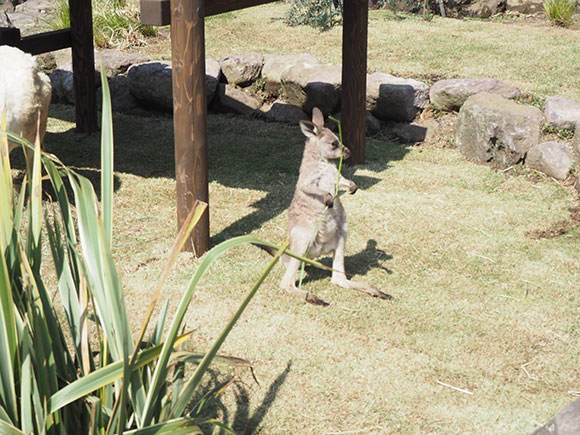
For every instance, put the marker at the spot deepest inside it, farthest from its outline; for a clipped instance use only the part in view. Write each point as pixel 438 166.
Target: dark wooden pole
pixel 83 61
pixel 190 115
pixel 354 76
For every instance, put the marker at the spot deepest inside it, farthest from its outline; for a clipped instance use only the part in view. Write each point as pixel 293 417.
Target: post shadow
pixel 243 153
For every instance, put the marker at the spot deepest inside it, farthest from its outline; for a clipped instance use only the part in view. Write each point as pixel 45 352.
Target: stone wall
pixel 493 123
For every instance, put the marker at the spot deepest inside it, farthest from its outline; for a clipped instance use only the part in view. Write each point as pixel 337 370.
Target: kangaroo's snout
pixel 345 152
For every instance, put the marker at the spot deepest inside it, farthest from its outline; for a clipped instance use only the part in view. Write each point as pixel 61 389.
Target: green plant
pixel 532 100
pixel 54 379
pixel 564 133
pixel 259 85
pixel 560 12
pixel 115 23
pixel 59 19
pixel 320 14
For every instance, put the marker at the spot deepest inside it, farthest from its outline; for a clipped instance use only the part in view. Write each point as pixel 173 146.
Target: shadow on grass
pixel 361 263
pixel 245 154
pixel 242 422
pixel 93 175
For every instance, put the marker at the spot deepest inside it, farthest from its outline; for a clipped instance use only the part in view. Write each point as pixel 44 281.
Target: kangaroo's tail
pixel 268 249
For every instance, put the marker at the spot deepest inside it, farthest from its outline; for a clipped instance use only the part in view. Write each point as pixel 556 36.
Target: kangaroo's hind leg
pixel 288 282
pixel 339 276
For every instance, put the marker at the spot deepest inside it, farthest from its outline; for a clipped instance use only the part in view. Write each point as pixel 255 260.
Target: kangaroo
pixel 316 218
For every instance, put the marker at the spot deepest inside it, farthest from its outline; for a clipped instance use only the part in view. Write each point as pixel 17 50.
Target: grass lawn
pixel 484 333
pixel 534 56
pixel 484 302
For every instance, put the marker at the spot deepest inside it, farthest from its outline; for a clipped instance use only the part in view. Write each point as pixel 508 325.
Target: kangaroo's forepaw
pixel 315 300
pixel 352 188
pixel 329 200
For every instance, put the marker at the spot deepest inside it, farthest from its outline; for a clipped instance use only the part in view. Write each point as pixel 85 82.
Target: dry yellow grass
pixel 532 55
pixel 480 305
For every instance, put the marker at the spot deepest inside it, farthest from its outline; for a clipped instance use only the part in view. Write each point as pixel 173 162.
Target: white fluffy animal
pixel 314 229
pixel 25 92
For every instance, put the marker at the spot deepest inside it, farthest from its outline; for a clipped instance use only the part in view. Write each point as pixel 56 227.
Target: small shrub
pixel 560 12
pixel 259 86
pixel 565 133
pixel 320 14
pixel 116 24
pixel 60 18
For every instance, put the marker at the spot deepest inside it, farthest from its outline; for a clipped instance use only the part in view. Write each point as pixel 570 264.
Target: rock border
pixel 494 122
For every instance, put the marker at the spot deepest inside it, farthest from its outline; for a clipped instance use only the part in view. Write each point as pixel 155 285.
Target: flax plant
pixel 53 379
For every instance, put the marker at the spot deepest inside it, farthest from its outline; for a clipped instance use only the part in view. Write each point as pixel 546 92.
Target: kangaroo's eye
pixel 335 144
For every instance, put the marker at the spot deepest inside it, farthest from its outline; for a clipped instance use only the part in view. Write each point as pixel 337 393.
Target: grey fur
pixel 311 230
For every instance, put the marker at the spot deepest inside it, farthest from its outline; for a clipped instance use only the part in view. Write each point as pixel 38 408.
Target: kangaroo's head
pixel 322 138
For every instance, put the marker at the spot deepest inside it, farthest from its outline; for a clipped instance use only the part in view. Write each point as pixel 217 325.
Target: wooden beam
pixel 36 44
pixel 190 116
pixel 83 62
pixel 214 7
pixel 157 12
pixel 45 42
pixel 9 36
pixel 354 77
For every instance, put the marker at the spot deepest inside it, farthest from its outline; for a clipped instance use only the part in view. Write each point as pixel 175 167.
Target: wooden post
pixel 83 61
pixel 190 115
pixel 354 76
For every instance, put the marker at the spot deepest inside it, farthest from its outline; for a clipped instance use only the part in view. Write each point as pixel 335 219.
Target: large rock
pixel 482 8
pixel 279 111
pixel 561 112
pixel 213 73
pixel 566 422
pixel 229 98
pixel 394 98
pixel 241 69
pixel 450 94
pixel 116 62
pixel 309 86
pixel 150 83
pixel 34 6
pixel 30 15
pixel 121 99
pixel 490 127
pixel 551 158
pixel 576 140
pixel 5 20
pixel 527 7
pixel 276 64
pixel 61 80
pixel 372 126
pixel 423 130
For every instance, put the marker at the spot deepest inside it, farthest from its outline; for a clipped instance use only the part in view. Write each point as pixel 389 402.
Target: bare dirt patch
pixel 557 228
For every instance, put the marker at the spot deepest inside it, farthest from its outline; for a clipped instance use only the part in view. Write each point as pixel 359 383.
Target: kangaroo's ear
pixel 318 118
pixel 308 128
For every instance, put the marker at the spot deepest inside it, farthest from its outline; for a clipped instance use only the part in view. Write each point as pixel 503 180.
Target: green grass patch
pixel 560 12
